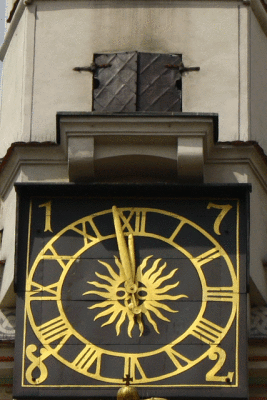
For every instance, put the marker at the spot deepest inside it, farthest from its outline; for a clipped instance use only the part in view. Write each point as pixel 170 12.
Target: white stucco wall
pixel 207 36
pixel 60 35
pixel 258 84
pixel 12 91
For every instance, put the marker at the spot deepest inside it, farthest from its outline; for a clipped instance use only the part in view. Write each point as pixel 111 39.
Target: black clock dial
pixel 140 287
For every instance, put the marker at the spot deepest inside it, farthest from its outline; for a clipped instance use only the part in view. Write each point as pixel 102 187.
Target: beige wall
pixel 12 91
pixel 60 35
pixel 258 84
pixel 206 35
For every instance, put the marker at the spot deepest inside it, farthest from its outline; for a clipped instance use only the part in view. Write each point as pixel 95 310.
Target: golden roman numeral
pixel 207 256
pixel 131 366
pixel 177 230
pixel 53 330
pixel 207 331
pixel 37 288
pixel 175 356
pixel 86 358
pixel 55 256
pixel 219 294
pixel 87 237
pixel 139 224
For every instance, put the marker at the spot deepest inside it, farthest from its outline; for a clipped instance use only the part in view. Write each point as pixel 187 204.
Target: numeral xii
pixel 135 222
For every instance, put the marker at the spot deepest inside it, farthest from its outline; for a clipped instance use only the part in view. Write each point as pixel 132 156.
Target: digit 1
pixel 47 216
pixel 225 208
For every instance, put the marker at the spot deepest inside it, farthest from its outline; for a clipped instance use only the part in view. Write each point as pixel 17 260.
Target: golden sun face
pixel 151 291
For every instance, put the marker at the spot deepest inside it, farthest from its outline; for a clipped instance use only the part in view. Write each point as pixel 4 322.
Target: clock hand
pixel 124 253
pixel 134 305
pixel 127 258
pixel 132 255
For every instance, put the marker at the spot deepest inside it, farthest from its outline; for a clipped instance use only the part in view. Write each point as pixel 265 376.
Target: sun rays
pixel 152 291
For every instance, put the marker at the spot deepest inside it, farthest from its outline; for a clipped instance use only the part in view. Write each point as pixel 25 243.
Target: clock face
pixel 143 289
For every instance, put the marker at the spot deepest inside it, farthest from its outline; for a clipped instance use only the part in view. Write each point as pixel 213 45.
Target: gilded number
pixel 177 230
pixel 131 366
pixel 54 329
pixel 175 357
pixel 219 294
pixel 225 208
pixel 40 292
pixel 87 237
pixel 139 224
pixel 87 357
pixel 207 256
pixel 207 331
pixel 47 216
pixel 36 363
pixel 219 354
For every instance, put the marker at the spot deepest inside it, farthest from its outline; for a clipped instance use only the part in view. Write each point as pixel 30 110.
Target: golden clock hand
pixel 124 253
pixel 132 256
pixel 134 305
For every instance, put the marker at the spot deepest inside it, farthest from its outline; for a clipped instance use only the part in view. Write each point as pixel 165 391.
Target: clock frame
pixel 77 334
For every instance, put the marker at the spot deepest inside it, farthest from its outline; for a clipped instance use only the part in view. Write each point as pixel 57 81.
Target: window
pixel 132 81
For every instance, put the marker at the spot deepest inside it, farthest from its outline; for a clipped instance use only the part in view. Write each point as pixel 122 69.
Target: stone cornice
pixel 30 155
pixel 171 145
pixel 23 154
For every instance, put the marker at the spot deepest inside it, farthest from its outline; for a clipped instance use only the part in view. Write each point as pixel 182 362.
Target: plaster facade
pixel 214 37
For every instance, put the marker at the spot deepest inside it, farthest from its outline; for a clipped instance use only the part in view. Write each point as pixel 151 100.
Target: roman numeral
pixel 53 330
pixel 135 222
pixel 207 331
pixel 177 230
pixel 207 256
pixel 86 358
pixel 37 289
pixel 219 294
pixel 175 356
pixel 83 232
pixel 55 256
pixel 132 366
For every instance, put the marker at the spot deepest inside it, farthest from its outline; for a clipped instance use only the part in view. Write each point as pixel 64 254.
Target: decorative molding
pixel 7 324
pixel 31 155
pixel 6 381
pixel 258 325
pixel 98 145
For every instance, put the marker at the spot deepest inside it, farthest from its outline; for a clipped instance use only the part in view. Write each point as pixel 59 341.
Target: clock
pixel 136 284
